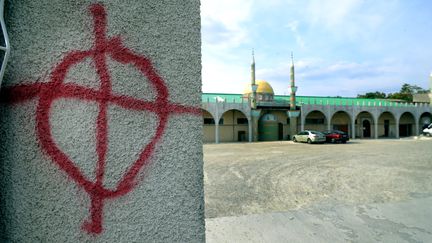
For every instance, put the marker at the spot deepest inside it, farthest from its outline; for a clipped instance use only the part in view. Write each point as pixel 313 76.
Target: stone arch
pixel 425 119
pixel 276 125
pixel 407 124
pixel 315 120
pixel 233 126
pixel 356 114
pixel 209 130
pixel 364 124
pixel 341 120
pixel 387 125
pixel 207 114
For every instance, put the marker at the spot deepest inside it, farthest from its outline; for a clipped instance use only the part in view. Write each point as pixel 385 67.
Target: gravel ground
pixel 255 178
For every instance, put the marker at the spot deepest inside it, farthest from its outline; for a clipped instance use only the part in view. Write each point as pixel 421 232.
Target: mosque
pixel 259 115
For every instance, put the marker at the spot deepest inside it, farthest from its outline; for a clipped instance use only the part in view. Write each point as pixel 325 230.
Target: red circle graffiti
pixel 56 88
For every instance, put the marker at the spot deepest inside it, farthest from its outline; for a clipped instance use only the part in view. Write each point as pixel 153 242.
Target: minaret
pixel 253 69
pixel 293 87
pixel 430 90
pixel 293 113
pixel 430 83
pixel 254 87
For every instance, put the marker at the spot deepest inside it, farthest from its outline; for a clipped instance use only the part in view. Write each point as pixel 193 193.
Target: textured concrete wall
pixel 100 125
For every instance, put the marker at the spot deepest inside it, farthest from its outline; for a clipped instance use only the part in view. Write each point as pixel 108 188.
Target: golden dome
pixel 263 87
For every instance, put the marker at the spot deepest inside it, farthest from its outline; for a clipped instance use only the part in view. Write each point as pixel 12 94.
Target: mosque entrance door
pixel 280 131
pixel 241 136
pixel 405 130
pixel 366 129
pixel 386 128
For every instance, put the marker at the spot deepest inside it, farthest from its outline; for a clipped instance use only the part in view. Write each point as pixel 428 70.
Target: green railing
pixel 229 98
pixel 307 100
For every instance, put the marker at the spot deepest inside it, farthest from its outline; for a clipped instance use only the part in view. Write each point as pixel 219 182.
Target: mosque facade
pixel 259 115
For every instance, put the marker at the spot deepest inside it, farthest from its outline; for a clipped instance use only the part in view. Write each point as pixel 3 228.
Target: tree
pixel 400 96
pixel 373 95
pixel 406 93
pixel 419 90
pixel 406 89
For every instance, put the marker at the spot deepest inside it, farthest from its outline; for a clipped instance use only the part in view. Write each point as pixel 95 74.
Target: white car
pixel 309 137
pixel 428 130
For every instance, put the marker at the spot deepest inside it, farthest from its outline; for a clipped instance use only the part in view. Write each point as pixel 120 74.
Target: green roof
pixel 319 100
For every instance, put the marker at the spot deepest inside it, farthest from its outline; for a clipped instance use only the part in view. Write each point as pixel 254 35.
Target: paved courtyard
pixel 366 190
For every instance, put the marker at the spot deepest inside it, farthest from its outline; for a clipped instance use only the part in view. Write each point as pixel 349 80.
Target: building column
pixel 293 116
pixel 417 128
pixel 255 129
pixel 302 123
pixel 255 115
pixel 250 129
pixel 376 128
pixel 397 128
pixel 217 123
pixel 293 126
pixel 353 129
pixel 217 131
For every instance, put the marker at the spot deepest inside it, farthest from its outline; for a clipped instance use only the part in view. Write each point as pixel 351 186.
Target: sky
pixel 341 47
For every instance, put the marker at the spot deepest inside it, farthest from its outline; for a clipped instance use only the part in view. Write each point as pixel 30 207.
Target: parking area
pixel 261 178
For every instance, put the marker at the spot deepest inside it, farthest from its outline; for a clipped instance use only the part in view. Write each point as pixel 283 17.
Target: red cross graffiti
pixel 56 88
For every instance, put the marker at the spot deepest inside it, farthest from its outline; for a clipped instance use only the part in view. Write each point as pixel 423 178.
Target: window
pixel 288 121
pixel 242 121
pixel 315 121
pixel 210 121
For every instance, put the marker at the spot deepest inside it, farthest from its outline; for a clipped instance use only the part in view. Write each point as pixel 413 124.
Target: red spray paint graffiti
pixel 56 88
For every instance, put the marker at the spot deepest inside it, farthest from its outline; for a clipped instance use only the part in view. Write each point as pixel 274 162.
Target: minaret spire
pixel 430 83
pixel 253 84
pixel 292 84
pixel 430 90
pixel 253 68
pixel 292 59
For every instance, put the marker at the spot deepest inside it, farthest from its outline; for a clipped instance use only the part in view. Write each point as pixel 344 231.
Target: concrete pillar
pixel 217 131
pixel 100 123
pixel 302 121
pixel 293 126
pixel 217 123
pixel 417 128
pixel 375 128
pixel 353 129
pixel 255 128
pixel 250 129
pixel 255 115
pixel 293 116
pixel 397 127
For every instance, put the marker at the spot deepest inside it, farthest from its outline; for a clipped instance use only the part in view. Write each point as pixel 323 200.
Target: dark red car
pixel 336 136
